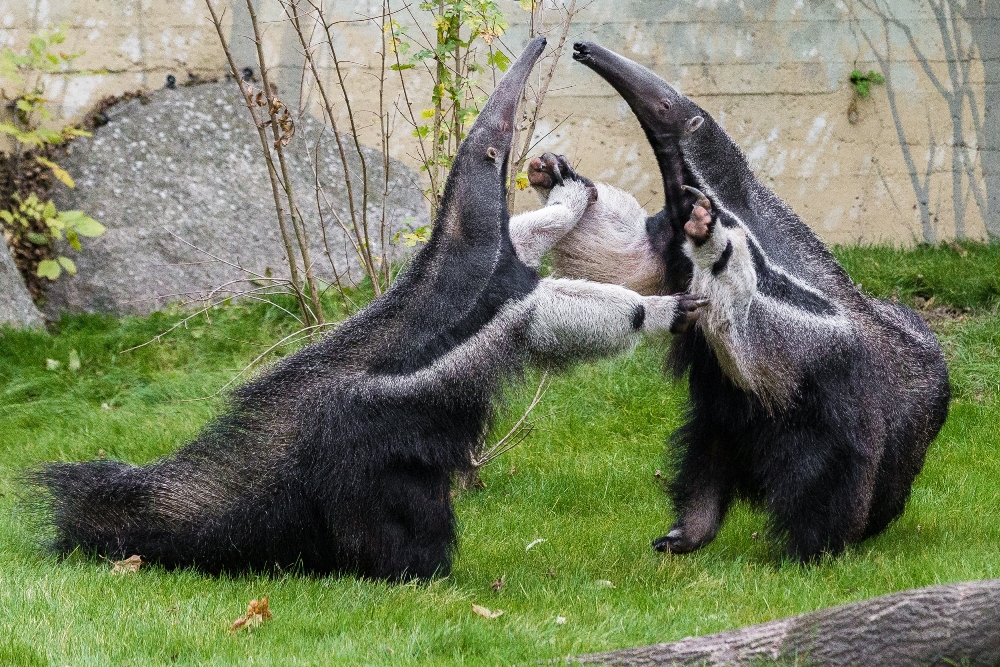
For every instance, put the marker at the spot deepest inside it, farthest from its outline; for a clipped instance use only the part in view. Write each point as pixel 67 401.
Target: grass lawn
pixel 585 484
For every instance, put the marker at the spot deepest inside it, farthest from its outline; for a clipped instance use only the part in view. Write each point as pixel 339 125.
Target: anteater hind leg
pixel 702 491
pixel 819 491
pixel 416 534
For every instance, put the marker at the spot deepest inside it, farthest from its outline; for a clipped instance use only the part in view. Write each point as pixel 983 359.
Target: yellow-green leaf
pixel 49 136
pixel 11 129
pixel 67 264
pixel 522 182
pixel 58 171
pixel 48 268
pixel 87 226
pixel 73 239
pixel 427 113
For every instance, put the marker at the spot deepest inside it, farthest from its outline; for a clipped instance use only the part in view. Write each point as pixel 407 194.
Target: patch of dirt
pixel 938 317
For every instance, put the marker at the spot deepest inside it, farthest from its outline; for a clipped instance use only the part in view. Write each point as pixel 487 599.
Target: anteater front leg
pixel 566 196
pixel 574 320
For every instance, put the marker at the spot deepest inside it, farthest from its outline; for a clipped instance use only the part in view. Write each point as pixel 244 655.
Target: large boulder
pixel 185 166
pixel 16 307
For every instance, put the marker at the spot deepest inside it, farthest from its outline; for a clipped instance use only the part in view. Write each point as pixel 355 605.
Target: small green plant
pixel 30 214
pixel 421 234
pixel 459 47
pixel 31 221
pixel 863 82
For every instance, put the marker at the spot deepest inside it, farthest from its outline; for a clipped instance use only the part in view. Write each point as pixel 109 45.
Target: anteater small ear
pixel 692 125
pixel 492 153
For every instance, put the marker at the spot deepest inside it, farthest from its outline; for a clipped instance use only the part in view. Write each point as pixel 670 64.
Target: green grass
pixel 960 276
pixel 585 483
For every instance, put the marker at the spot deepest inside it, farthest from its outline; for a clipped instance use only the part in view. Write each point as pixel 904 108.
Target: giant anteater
pixel 338 458
pixel 805 395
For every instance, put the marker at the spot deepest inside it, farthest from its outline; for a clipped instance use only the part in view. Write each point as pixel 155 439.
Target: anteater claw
pixel 695 191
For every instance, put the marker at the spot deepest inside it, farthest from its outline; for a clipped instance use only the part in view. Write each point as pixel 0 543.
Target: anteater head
pixel 671 122
pixel 475 201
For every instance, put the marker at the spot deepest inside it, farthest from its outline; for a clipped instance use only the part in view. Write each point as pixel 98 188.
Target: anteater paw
pixel 673 313
pixel 687 312
pixel 675 542
pixel 702 221
pixel 549 170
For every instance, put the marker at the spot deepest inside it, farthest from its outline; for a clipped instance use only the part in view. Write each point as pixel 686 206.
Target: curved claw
pixel 695 191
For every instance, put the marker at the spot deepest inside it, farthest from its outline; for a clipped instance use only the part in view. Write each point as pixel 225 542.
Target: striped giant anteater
pixel 339 457
pixel 806 396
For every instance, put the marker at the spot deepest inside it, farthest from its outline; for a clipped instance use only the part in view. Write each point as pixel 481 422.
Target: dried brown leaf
pixel 257 613
pixel 287 127
pixel 499 583
pixel 130 564
pixel 486 613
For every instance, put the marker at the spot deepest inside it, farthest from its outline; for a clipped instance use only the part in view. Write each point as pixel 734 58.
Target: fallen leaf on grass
pixel 560 620
pixel 130 564
pixel 499 583
pixel 257 613
pixel 486 613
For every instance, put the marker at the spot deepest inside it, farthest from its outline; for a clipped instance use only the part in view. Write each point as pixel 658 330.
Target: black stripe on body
pixel 638 317
pixel 720 264
pixel 780 287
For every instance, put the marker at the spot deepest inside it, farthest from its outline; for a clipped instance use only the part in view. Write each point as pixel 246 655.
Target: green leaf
pixel 56 226
pixel 48 268
pixel 10 129
pixel 499 60
pixel 87 226
pixel 73 239
pixel 397 68
pixel 67 264
pixel 7 217
pixel 49 210
pixel 49 136
pixel 36 238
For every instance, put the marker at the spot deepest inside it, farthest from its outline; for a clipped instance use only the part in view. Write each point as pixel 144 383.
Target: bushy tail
pixel 102 507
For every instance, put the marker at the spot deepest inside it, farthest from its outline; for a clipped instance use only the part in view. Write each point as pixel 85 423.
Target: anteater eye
pixel 665 104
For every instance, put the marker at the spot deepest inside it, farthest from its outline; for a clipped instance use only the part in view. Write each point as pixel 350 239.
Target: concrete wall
pixel 921 162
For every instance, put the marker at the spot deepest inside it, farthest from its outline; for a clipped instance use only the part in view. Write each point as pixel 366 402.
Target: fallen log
pixel 954 624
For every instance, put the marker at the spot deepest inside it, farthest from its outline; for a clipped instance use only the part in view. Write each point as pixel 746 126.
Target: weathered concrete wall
pixel 921 162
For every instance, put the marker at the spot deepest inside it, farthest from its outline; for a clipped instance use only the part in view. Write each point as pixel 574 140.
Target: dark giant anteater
pixel 806 395
pixel 339 457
